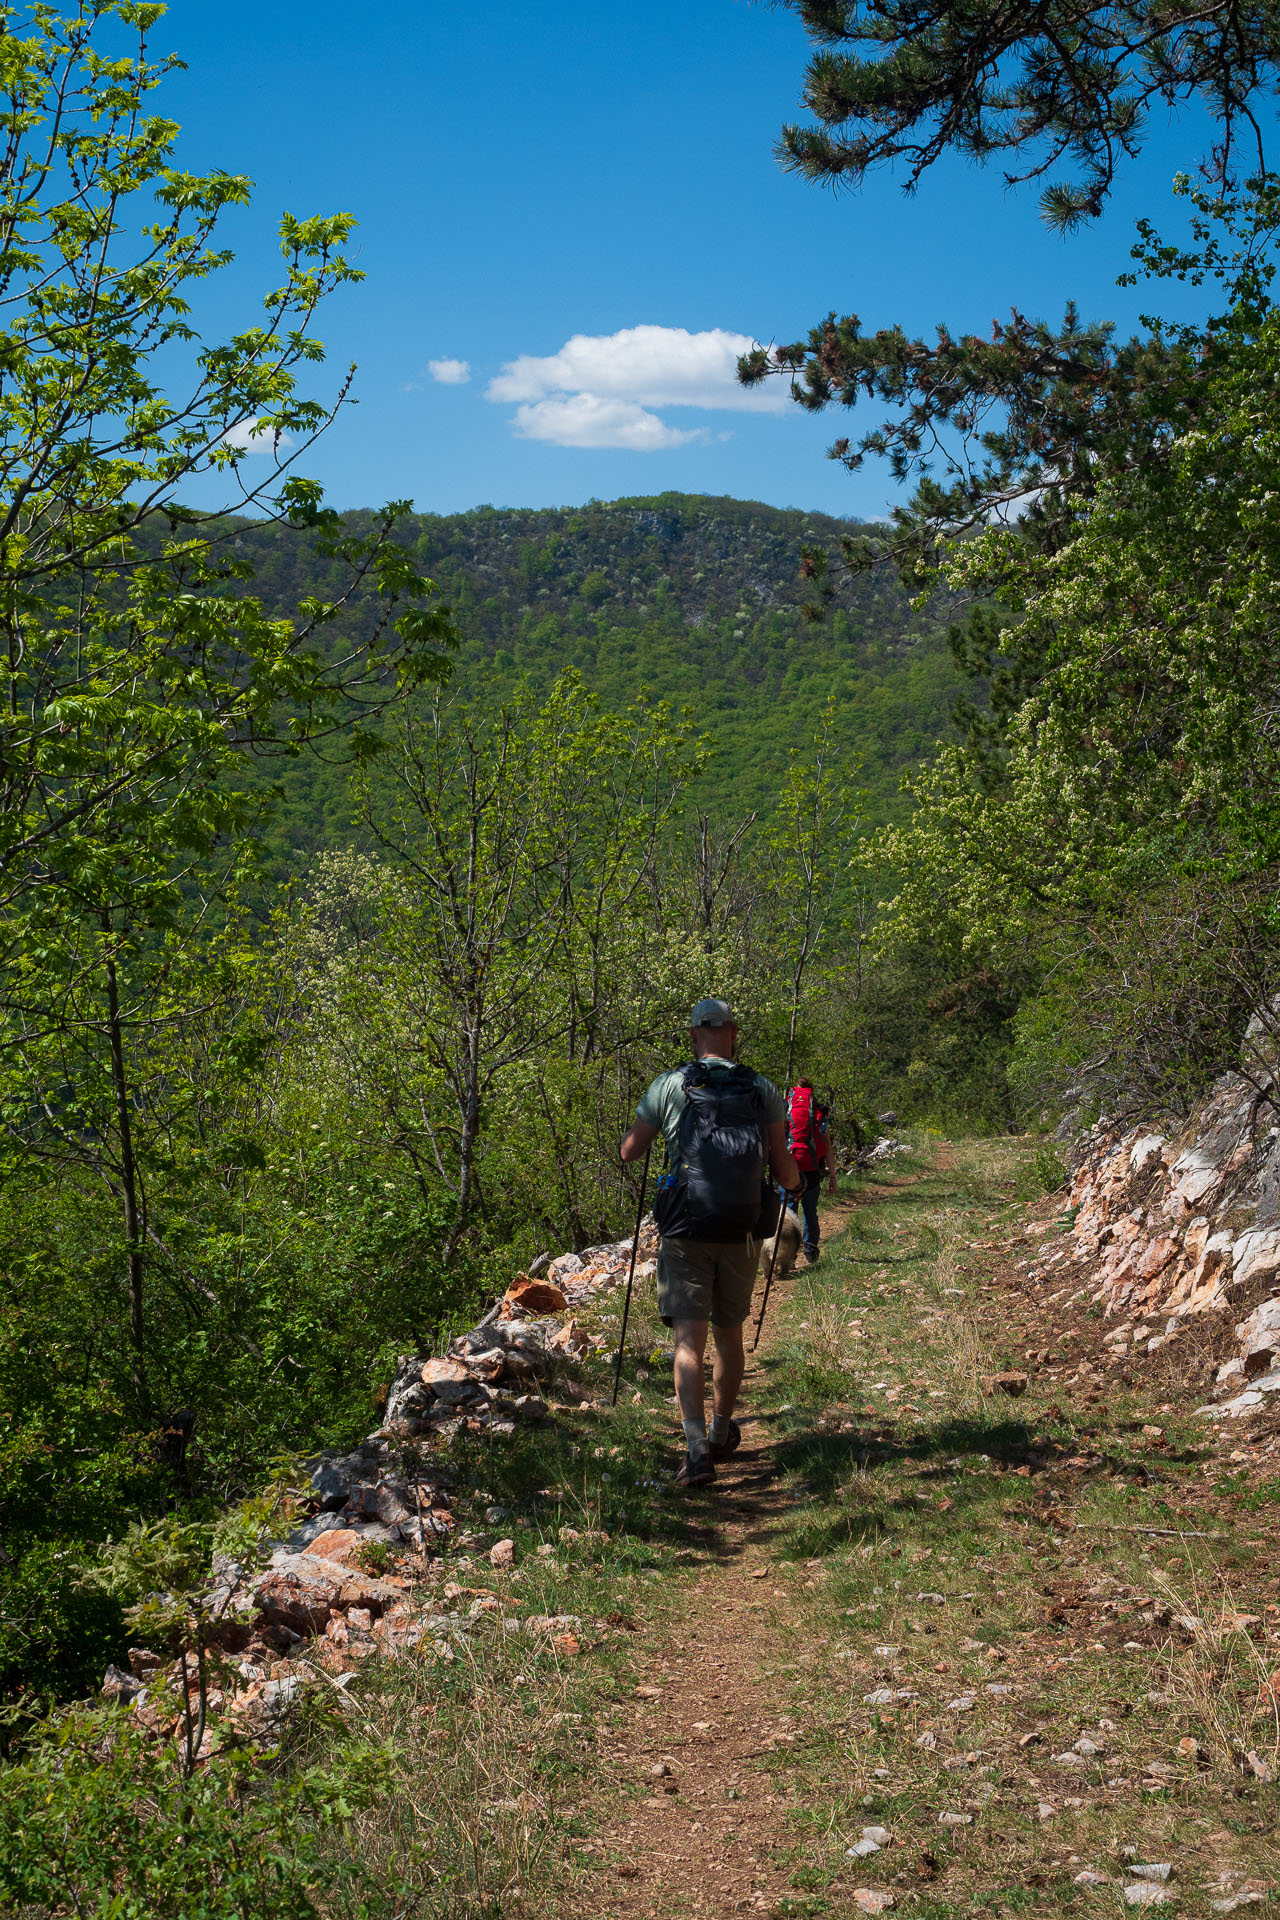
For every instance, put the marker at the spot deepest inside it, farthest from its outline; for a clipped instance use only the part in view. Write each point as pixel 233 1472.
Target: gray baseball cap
pixel 713 1013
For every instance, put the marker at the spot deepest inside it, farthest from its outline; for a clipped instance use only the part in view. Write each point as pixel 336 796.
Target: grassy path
pixel 1029 1638
pixel 1030 1641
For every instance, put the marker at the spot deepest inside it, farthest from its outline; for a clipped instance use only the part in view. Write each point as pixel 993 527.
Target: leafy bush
pixel 1144 1009
pixel 96 1818
pixel 932 1031
pixel 1043 1173
pixel 56 1637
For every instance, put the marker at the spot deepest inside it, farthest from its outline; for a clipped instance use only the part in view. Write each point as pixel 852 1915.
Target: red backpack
pixel 802 1127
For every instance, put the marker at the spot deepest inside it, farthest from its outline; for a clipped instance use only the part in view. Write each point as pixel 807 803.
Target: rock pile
pixel 360 1572
pixel 1182 1226
pixel 361 1575
pixel 883 1149
pixel 488 1380
pixel 599 1270
pixel 366 1495
pixel 315 1612
pixel 491 1376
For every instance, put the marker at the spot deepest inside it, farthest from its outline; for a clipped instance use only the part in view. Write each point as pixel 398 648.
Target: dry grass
pixel 483 1769
pixel 960 1360
pixel 1222 1679
pixel 1016 1650
pixel 957 1352
pixel 823 1325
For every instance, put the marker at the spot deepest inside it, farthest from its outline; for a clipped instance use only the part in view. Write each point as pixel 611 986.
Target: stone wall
pixel 1186 1224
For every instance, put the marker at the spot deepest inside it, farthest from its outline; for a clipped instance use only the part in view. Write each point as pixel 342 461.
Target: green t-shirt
pixel 664 1100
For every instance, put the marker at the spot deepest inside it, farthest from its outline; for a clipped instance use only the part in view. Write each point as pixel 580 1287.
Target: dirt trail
pixel 1041 1638
pixel 708 1839
pixel 704 1840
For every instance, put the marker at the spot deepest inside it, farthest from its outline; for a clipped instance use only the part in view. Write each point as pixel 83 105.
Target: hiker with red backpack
pixel 809 1143
pixel 723 1125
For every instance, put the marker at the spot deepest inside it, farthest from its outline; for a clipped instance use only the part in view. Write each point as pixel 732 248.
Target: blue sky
pixel 528 176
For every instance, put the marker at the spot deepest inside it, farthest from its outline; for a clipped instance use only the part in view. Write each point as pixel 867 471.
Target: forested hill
pixel 692 598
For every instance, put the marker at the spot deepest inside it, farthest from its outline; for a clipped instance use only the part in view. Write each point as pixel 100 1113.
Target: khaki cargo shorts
pixel 706 1280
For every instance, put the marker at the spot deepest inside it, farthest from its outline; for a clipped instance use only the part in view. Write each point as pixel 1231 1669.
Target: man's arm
pixel 784 1167
pixel 637 1143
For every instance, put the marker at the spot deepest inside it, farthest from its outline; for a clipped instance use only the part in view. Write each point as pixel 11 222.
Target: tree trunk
pixel 791 1030
pixel 128 1171
pixel 467 1139
pixel 807 944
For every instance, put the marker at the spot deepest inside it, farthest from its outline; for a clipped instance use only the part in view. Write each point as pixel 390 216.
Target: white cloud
pixel 450 373
pixel 255 436
pixel 587 420
pixel 597 391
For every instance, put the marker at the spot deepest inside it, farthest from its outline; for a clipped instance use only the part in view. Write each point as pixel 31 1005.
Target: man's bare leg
pixel 730 1365
pixel 726 1379
pixel 691 1393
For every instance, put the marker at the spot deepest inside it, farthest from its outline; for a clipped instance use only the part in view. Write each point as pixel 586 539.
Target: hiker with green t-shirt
pixel 722 1124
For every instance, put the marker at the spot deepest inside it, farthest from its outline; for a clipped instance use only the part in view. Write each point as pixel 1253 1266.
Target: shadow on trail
pixel 804 1490
pixel 823 1489
pixel 1008 1442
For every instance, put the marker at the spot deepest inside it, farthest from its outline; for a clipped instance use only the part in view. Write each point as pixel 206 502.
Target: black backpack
pixel 713 1192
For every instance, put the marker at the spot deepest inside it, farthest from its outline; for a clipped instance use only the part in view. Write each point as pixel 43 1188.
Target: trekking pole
pixel 631 1273
pixel 773 1261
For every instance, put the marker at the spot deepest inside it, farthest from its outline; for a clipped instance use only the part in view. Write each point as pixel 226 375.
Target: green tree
pixel 807 850
pixel 1018 425
pixel 1042 84
pixel 1108 826
pixel 1128 832
pixel 523 843
pixel 140 673
pixel 133 674
pixel 127 1026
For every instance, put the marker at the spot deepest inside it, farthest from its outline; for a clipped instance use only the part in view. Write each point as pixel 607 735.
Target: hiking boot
pixel 721 1449
pixel 812 1257
pixel 696 1473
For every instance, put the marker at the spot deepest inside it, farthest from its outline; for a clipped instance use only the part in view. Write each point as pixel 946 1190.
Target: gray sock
pixel 695 1438
pixel 719 1429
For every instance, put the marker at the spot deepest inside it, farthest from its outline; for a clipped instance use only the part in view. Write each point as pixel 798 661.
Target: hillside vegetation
pixel 692 599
